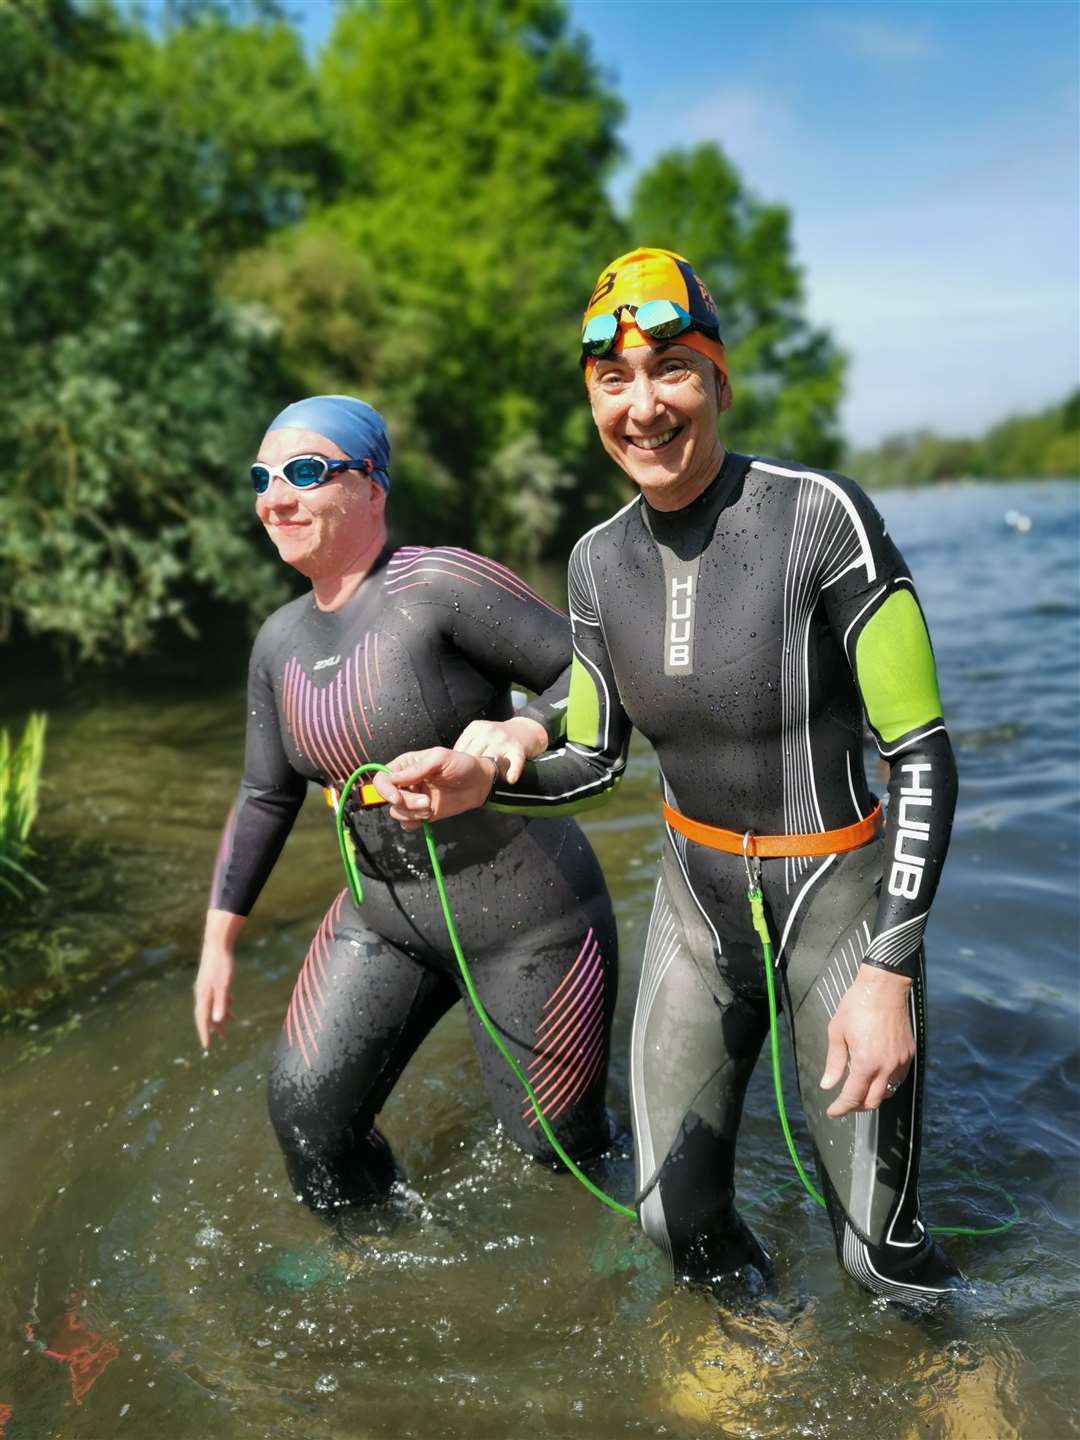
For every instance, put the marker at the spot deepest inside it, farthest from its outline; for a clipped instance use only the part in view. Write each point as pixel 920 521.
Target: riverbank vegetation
pixel 20 787
pixel 1023 447
pixel 200 222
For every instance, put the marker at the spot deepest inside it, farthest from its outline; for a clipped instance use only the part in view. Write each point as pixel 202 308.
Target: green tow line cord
pixel 757 910
pixel 761 925
pixel 356 890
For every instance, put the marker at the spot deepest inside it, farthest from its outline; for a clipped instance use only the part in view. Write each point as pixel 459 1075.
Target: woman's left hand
pixel 871 1035
pixel 511 742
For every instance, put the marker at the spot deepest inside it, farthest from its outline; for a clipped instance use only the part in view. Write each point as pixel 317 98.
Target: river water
pixel 160 1280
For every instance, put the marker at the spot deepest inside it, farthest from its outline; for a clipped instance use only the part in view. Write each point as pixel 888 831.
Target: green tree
pixel 130 390
pixel 233 80
pixel 197 225
pixel 787 376
pixel 317 298
pixel 1062 454
pixel 474 166
pixel 1022 447
pixel 1046 443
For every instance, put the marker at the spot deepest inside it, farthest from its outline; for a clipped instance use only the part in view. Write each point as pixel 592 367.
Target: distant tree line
pixel 198 223
pixel 1023 447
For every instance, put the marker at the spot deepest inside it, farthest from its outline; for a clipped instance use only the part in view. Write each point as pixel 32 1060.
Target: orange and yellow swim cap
pixel 650 274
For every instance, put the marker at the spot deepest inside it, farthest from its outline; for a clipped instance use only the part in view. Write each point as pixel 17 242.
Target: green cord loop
pixel 348 858
pixel 761 926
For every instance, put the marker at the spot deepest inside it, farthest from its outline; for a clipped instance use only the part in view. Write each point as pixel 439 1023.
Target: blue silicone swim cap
pixel 353 427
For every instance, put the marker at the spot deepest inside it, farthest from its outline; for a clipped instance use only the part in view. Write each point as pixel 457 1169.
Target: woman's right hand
pixel 437 783
pixel 434 784
pixel 213 983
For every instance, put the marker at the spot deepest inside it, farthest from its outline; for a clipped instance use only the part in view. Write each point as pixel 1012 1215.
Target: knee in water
pixel 329 1172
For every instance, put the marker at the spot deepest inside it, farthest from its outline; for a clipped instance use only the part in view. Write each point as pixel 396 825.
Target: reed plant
pixel 20 785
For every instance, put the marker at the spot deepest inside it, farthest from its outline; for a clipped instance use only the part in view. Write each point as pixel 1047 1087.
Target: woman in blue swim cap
pixel 390 650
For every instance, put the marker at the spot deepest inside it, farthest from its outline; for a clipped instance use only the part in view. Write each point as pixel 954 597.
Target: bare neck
pixel 333 589
pixel 687 490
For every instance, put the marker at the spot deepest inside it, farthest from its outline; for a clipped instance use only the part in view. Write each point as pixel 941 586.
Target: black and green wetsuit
pixel 746 635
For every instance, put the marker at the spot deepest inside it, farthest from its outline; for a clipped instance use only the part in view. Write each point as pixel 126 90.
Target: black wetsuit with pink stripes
pixel 432 639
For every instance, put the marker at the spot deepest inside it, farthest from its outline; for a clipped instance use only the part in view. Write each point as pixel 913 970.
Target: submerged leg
pixel 359 1010
pixel 693 1049
pixel 869 1162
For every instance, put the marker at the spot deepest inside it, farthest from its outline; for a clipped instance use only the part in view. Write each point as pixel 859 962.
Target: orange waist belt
pixel 767 847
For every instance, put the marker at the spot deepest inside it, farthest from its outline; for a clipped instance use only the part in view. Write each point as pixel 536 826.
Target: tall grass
pixel 20 782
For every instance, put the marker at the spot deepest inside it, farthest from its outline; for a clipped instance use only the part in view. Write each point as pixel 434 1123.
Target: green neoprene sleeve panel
pixel 583 728
pixel 583 708
pixel 894 666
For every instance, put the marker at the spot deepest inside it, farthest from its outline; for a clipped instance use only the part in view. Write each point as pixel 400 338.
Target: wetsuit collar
pixel 693 525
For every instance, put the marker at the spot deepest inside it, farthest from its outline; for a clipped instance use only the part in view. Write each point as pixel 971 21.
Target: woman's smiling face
pixel 322 530
pixel 656 408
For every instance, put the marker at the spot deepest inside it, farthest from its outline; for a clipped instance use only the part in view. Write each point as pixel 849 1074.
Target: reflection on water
pixel 83 1350
pixel 160 1278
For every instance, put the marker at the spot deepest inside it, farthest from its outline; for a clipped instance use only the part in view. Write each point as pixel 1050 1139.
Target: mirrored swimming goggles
pixel 656 319
pixel 303 472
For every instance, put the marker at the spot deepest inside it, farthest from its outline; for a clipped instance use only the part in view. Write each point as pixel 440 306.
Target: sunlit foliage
pixel 199 222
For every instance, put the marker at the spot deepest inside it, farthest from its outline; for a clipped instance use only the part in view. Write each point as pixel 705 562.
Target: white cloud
pixel 759 133
pixel 876 39
pixel 734 115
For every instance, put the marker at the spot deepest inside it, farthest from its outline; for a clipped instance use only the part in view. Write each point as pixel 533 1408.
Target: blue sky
pixel 930 154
